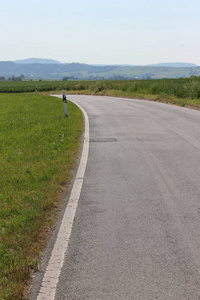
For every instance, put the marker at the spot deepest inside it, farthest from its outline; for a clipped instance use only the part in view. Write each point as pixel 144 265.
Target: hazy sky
pixel 101 32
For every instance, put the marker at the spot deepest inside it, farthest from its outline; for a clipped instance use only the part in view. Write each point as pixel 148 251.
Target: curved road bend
pixel 136 233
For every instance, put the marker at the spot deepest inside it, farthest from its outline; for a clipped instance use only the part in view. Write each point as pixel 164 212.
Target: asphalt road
pixel 136 233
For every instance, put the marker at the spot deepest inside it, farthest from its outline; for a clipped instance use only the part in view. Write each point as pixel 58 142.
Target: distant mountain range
pixel 37 61
pixel 173 65
pixel 51 69
pixel 52 61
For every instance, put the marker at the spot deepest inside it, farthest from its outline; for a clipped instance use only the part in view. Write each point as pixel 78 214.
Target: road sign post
pixel 65 103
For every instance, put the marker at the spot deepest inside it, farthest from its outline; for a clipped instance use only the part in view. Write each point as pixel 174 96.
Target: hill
pixel 173 65
pixel 93 72
pixel 37 61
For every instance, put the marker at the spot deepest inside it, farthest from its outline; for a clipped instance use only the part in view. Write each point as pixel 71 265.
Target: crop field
pixel 38 150
pixel 42 86
pixel 182 91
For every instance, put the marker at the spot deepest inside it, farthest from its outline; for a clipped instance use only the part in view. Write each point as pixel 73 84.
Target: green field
pixel 38 150
pixel 42 86
pixel 182 91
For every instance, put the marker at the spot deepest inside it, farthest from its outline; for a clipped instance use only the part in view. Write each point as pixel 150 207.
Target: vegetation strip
pixel 182 91
pixel 38 150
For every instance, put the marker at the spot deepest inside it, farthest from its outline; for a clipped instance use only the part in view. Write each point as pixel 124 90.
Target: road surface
pixel 136 233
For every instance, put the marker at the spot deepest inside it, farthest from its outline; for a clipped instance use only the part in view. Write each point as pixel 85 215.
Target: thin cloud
pixel 180 45
pixel 176 8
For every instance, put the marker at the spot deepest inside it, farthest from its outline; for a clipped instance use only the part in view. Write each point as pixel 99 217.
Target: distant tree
pixel 2 78
pixel 117 77
pixel 13 78
pixel 65 78
pixel 69 78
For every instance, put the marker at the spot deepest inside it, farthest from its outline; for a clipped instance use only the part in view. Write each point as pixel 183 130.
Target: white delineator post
pixel 65 103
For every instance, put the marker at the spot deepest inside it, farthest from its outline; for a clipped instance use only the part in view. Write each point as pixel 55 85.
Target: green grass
pixel 42 86
pixel 38 150
pixel 182 91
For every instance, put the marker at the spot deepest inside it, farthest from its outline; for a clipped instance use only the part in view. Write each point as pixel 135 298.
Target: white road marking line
pixel 53 270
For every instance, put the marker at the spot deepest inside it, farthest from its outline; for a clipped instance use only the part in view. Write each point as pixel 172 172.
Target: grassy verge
pixel 162 97
pixel 38 150
pixel 182 92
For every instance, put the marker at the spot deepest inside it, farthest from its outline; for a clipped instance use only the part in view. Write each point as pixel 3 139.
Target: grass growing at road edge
pixel 38 150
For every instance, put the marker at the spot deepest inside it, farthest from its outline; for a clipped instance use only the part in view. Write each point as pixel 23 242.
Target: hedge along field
pixel 38 150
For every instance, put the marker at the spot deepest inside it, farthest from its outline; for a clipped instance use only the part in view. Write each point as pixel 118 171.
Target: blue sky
pixel 101 32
